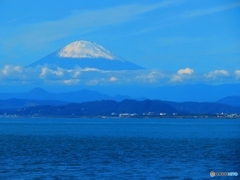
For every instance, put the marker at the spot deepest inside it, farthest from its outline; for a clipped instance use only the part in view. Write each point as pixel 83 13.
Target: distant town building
pixel 124 115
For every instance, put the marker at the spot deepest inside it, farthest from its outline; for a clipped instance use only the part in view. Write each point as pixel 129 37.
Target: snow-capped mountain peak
pixel 84 54
pixel 84 49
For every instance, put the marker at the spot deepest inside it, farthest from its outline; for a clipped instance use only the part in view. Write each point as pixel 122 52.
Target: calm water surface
pixel 37 148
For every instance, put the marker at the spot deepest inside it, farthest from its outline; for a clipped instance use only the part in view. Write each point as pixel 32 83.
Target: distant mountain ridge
pixel 230 100
pixel 225 94
pixel 110 107
pixel 74 96
pixel 178 93
pixel 95 103
pixel 23 103
pixel 203 107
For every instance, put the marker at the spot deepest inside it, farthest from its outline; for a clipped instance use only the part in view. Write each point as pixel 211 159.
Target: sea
pixel 118 148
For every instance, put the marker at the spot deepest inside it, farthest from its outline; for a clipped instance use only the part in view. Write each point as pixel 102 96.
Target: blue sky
pixel 180 40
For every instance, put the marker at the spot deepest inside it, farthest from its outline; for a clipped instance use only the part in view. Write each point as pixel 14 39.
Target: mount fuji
pixel 85 54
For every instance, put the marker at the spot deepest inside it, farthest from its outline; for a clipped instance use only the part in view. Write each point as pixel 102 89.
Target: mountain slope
pixel 97 108
pixel 230 100
pixel 178 93
pixel 203 108
pixel 74 96
pixel 109 107
pixel 21 103
pixel 85 54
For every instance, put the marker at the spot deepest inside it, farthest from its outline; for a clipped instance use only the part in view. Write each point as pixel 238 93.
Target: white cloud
pixel 17 69
pixel 152 76
pixel 92 82
pixel 90 69
pixel 185 71
pixel 76 73
pixel 44 72
pixel 59 72
pixel 217 73
pixel 182 75
pixel 8 69
pixel 71 81
pixel 11 74
pixel 112 79
pixel 202 12
pixel 176 78
pixel 237 74
pixel 5 70
pixel 47 71
pixel 78 76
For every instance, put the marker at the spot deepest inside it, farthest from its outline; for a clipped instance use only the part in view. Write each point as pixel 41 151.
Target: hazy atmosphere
pixel 175 41
pixel 119 89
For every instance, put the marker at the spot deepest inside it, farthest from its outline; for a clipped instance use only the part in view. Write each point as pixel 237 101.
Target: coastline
pixel 133 117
